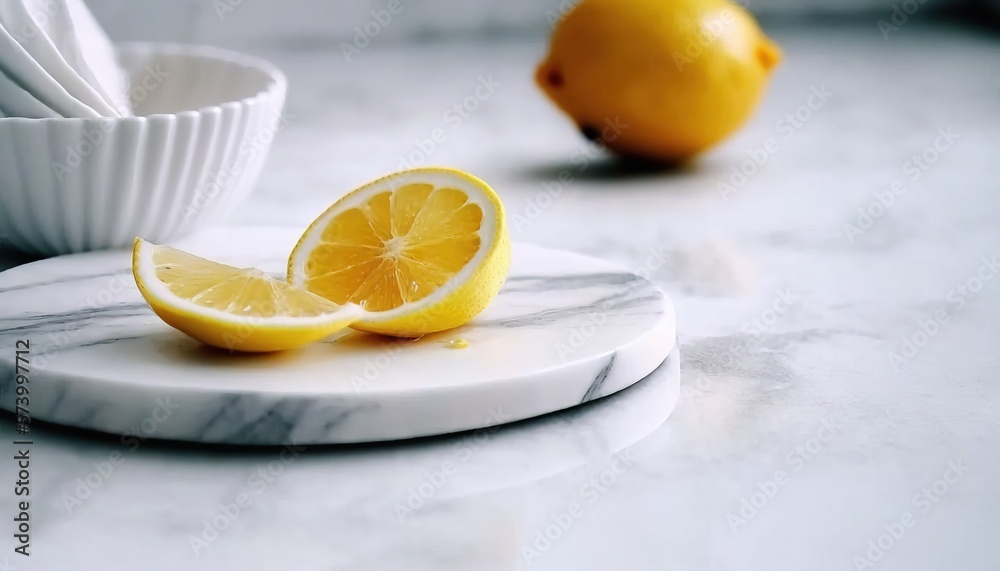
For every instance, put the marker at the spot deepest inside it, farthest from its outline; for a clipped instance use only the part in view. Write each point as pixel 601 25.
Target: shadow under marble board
pixel 565 329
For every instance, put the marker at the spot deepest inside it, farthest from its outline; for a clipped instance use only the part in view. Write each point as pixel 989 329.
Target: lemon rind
pixel 144 268
pixel 479 193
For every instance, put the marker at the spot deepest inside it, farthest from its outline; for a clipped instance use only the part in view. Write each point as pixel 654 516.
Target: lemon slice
pixel 240 309
pixel 422 250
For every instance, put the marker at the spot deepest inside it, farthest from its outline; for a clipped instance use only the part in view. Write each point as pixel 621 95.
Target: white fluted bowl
pixel 205 120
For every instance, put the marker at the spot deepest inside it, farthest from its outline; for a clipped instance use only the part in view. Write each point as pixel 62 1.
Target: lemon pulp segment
pixel 420 251
pixel 396 247
pixel 240 309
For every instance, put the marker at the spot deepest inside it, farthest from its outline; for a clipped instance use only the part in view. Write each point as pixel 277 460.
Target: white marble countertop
pixel 798 438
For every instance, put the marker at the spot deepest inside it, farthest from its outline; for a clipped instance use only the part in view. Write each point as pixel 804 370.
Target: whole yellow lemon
pixel 658 79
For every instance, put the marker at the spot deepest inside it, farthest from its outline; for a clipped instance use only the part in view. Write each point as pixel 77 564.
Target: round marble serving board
pixel 565 329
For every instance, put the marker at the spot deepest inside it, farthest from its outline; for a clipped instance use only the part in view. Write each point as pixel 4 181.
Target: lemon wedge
pixel 420 251
pixel 239 309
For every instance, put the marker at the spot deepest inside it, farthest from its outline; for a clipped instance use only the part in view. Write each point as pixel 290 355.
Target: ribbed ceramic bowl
pixel 205 120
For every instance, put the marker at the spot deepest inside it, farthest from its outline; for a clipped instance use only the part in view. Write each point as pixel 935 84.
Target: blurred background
pixel 242 22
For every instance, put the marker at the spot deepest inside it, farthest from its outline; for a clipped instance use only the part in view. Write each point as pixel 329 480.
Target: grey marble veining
pixel 100 359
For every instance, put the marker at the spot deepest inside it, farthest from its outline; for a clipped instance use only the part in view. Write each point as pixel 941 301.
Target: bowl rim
pixel 277 81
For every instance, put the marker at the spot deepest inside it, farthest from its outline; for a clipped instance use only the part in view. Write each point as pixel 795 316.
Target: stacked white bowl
pixel 162 140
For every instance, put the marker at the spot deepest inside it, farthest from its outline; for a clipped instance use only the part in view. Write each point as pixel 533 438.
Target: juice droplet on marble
pixel 456 344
